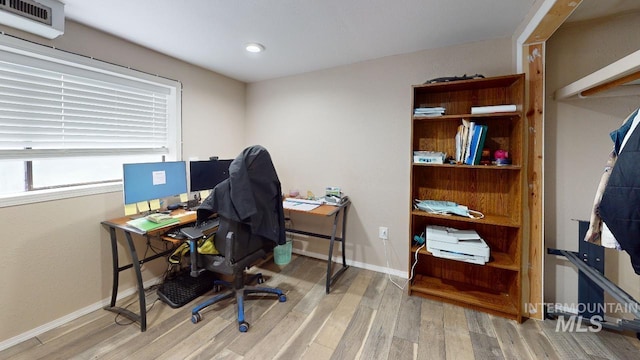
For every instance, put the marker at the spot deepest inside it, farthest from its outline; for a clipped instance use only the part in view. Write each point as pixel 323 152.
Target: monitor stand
pixel 192 205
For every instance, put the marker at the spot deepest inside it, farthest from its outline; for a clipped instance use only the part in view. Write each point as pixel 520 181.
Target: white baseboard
pixel 338 259
pixel 74 315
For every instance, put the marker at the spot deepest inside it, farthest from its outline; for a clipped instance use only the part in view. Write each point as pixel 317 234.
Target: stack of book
pixel 429 111
pixel 470 140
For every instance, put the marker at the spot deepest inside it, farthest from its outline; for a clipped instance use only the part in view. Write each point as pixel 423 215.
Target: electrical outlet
pixel 383 233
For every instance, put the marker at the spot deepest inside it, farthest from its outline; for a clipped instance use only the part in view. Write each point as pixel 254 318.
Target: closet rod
pixel 611 84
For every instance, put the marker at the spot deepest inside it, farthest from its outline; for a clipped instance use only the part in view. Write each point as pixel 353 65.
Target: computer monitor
pixel 205 175
pixel 149 181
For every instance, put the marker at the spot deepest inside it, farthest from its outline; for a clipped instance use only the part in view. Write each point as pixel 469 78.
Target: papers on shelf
pixel 301 204
pixel 492 109
pixel 429 111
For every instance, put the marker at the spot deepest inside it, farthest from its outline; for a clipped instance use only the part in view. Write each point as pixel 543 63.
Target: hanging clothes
pixel 619 207
pixel 598 233
pixel 251 195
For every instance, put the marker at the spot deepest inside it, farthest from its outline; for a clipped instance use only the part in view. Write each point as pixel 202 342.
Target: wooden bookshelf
pixel 495 191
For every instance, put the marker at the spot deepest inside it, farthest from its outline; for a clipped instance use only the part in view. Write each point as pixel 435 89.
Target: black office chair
pixel 250 223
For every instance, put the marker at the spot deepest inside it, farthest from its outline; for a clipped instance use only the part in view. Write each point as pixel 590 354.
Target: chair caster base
pixel 195 318
pixel 243 326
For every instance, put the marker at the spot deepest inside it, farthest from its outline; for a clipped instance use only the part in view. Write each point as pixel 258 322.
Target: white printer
pixel 462 245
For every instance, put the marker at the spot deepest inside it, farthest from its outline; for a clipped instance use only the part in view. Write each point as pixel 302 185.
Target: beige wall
pixel 350 127
pixel 57 259
pixel 577 144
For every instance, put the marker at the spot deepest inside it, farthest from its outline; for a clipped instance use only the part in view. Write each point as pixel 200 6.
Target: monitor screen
pixel 205 175
pixel 149 181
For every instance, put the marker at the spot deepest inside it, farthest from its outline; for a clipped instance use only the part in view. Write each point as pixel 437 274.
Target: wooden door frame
pixel 530 59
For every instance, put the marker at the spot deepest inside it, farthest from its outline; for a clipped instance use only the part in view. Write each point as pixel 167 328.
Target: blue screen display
pixel 149 181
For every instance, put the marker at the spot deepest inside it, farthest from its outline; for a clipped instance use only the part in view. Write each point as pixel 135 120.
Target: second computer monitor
pixel 205 175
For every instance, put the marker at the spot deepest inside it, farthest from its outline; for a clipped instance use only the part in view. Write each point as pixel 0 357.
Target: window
pixel 68 122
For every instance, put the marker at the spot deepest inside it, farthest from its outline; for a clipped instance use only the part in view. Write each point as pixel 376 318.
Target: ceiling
pixel 302 35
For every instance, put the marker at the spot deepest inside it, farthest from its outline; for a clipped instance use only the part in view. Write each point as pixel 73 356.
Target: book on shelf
pixel 467 141
pixel 462 140
pixel 492 109
pixel 458 140
pixel 477 143
pixel 470 135
pixel 480 145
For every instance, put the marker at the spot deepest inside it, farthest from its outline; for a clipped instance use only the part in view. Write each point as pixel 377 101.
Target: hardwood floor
pixel 364 317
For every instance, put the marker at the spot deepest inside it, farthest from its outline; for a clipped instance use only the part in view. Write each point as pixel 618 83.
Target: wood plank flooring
pixel 365 316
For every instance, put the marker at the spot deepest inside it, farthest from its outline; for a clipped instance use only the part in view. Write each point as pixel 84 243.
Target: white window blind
pixel 68 122
pixel 53 110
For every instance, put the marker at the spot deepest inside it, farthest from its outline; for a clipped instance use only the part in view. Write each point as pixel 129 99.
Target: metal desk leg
pixel 142 318
pixel 141 297
pixel 114 260
pixel 330 278
pixel 344 235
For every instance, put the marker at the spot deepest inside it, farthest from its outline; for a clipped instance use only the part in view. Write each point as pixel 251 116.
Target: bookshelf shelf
pixel 498 259
pixel 495 191
pixel 498 220
pixel 486 167
pixel 463 294
pixel 468 116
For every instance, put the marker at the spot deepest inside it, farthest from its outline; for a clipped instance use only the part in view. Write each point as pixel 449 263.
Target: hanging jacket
pixel 620 204
pixel 598 233
pixel 251 195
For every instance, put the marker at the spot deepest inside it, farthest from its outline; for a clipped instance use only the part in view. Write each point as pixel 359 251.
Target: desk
pixel 129 231
pixel 335 211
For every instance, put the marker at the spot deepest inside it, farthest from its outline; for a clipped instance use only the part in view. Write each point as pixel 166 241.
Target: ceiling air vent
pixel 43 17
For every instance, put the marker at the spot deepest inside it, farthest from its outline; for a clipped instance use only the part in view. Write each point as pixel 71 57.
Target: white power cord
pixel 412 266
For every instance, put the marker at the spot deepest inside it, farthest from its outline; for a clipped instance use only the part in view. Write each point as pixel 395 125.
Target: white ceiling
pixel 299 35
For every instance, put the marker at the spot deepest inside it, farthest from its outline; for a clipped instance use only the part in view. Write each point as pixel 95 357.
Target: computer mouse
pixel 174 206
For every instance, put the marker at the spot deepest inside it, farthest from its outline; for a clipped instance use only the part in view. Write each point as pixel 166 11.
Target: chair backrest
pixel 252 196
pixel 244 242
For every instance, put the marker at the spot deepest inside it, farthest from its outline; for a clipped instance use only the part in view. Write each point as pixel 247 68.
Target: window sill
pixel 57 194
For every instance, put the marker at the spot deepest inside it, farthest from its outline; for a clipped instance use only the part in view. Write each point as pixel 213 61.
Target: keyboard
pixel 202 229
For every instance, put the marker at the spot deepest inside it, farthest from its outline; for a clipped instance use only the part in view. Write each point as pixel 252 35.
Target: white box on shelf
pixel 428 157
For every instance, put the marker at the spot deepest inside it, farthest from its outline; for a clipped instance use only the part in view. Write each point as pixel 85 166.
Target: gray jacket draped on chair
pixel 251 195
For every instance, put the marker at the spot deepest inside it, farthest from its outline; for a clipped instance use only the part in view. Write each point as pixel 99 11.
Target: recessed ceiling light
pixel 254 47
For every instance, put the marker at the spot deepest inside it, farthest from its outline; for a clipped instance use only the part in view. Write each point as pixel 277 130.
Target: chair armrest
pixel 228 249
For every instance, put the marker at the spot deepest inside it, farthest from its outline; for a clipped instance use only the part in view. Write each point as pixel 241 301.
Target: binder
pixel 480 145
